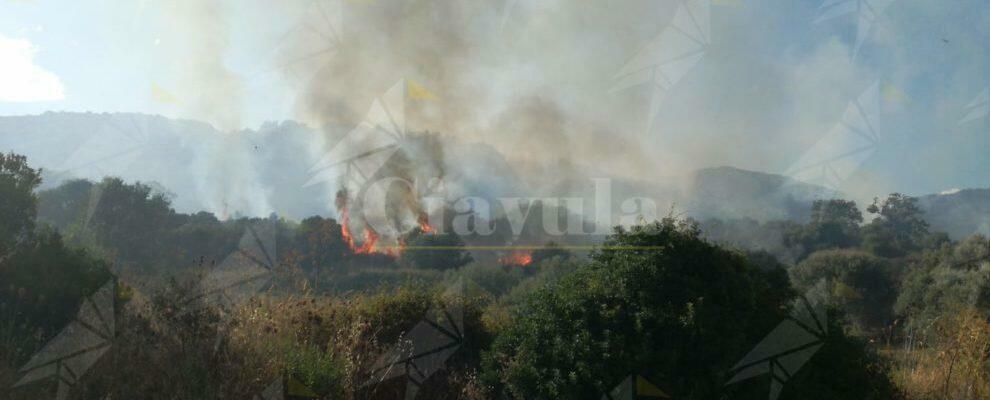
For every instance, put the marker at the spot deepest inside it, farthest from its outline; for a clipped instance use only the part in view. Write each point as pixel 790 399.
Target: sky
pixel 132 56
pixel 645 89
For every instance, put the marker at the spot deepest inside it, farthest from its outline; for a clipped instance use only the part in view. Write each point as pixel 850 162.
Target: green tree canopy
pixel 947 278
pixel 678 310
pixel 834 224
pixel 66 204
pixel 863 284
pixel 41 280
pixel 129 221
pixel 317 247
pixel 18 204
pixel 898 227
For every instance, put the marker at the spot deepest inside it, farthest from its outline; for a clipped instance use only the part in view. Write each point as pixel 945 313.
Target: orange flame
pixel 424 223
pixel 425 227
pixel 521 258
pixel 345 229
pixel 370 240
pixel 370 236
pixel 368 246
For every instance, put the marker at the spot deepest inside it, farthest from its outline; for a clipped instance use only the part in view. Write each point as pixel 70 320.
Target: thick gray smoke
pixel 226 180
pixel 532 80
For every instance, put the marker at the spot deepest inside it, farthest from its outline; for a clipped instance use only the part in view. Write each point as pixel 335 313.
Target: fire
pixel 370 239
pixel 424 224
pixel 521 258
pixel 345 229
pixel 370 236
pixel 368 246
pixel 425 227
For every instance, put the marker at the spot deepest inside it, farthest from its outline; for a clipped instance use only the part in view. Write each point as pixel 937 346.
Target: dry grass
pixel 952 364
pixel 329 344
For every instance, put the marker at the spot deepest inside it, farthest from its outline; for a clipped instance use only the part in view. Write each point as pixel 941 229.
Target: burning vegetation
pixel 370 239
pixel 519 258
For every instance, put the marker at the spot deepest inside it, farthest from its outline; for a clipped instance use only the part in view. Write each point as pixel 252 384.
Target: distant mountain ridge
pixel 255 172
pixel 960 213
pixel 727 192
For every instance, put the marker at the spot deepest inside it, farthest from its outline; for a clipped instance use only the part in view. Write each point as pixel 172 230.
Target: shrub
pixel 679 307
pixel 670 306
pixel 43 284
pixel 952 365
pixel 863 284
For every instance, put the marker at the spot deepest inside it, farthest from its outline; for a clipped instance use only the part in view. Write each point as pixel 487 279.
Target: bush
pixel 676 309
pixel 680 308
pixel 43 283
pixel 947 278
pixel 843 368
pixel 863 284
pixel 548 273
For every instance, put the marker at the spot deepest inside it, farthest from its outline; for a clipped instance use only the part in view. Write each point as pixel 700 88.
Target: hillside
pixel 726 192
pixel 959 213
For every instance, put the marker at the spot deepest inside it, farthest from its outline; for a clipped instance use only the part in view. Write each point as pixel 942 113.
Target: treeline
pixel 136 227
pixel 921 297
pixel 876 265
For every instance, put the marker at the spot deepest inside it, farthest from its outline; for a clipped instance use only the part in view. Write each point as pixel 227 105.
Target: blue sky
pixel 108 55
pixel 772 82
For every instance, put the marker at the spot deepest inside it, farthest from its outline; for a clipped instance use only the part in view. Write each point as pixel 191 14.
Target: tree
pixel 834 224
pixel 837 222
pixel 318 245
pixel 18 203
pixel 897 229
pixel 946 279
pixel 43 281
pixel 863 284
pixel 441 251
pixel 128 220
pixel 64 205
pixel 678 309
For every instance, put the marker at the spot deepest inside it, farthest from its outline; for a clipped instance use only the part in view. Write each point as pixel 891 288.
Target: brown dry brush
pixel 951 360
pixel 329 344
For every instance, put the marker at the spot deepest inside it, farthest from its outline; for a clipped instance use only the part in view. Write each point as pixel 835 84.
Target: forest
pixel 107 292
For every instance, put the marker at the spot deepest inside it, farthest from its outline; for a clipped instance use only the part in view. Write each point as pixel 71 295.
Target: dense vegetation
pixel 676 302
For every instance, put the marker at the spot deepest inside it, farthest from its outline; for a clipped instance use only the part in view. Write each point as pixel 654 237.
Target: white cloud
pixel 20 79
